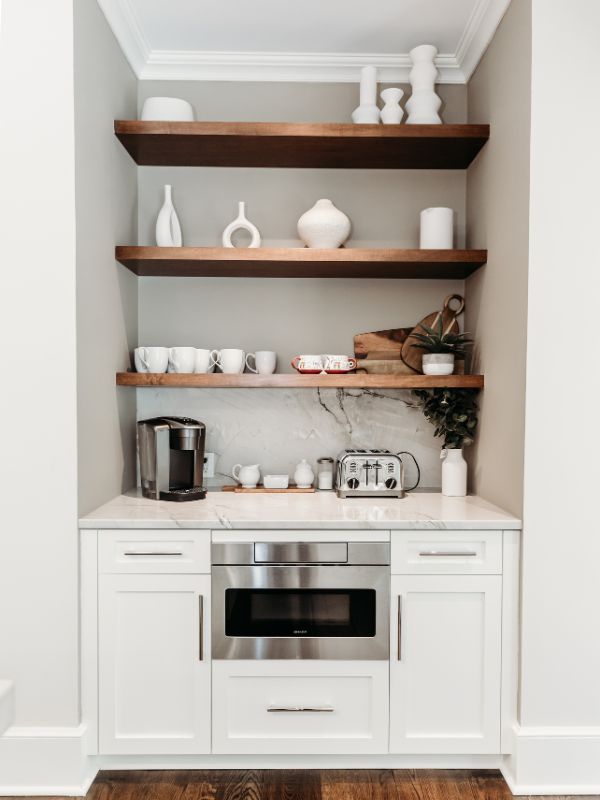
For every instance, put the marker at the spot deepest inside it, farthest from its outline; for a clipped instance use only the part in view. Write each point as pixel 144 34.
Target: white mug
pixel 308 363
pixel 182 359
pixel 151 359
pixel 204 361
pixel 230 361
pixel 338 363
pixel 265 362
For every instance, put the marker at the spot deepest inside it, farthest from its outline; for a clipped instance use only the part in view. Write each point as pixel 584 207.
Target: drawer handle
pixel 153 553
pixel 464 553
pixel 201 628
pixel 300 709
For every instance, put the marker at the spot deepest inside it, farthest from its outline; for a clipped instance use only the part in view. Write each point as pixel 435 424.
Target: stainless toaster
pixel 371 473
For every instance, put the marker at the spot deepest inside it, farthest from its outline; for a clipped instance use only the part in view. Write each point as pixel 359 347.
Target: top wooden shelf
pixel 285 144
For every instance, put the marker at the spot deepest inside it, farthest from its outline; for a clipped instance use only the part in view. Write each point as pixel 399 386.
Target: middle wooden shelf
pixel 300 262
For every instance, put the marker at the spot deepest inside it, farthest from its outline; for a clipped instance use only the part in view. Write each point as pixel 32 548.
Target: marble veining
pixel 279 427
pixel 322 510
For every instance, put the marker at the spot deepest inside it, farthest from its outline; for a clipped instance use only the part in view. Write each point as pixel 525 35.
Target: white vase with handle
pixel 454 472
pixel 168 229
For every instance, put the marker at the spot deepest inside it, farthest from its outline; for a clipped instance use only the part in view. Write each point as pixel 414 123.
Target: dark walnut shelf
pixel 286 144
pixel 295 381
pixel 299 262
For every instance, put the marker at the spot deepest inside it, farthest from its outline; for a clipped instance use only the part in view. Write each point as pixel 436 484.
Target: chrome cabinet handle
pixel 153 553
pixel 399 627
pixel 444 553
pixel 300 709
pixel 201 628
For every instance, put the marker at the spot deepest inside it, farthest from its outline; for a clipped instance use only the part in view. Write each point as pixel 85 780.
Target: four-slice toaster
pixel 371 473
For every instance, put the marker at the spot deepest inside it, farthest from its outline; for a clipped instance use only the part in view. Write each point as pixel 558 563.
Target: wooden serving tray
pixel 262 490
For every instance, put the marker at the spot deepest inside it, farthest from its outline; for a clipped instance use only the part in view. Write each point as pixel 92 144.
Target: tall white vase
pixel 168 229
pixel 424 104
pixel 454 473
pixel 367 113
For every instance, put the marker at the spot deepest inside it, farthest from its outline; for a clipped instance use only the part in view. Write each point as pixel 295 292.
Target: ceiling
pixel 311 40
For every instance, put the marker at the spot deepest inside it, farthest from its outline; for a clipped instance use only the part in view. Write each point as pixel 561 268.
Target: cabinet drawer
pixel 306 708
pixel 447 552
pixel 154 551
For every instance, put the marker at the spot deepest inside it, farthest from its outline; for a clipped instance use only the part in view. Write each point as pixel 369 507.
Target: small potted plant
pixel 440 348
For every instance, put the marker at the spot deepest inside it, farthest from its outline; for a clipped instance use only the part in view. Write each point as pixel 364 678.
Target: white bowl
pixel 276 481
pixel 167 109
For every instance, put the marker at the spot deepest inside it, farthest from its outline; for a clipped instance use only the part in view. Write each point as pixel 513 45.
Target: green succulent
pixel 434 340
pixel 453 412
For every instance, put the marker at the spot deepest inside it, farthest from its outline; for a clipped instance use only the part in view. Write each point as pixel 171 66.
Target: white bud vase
pixel 391 113
pixel 424 104
pixel 324 226
pixel 244 224
pixel 168 229
pixel 454 473
pixel 367 113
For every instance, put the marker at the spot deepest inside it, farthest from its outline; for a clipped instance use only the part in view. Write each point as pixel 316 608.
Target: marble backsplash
pixel 278 427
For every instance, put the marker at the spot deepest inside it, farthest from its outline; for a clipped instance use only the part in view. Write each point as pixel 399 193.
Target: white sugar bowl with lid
pixel 304 475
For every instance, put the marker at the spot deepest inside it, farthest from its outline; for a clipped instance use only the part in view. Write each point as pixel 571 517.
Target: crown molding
pixel 198 65
pixel 195 65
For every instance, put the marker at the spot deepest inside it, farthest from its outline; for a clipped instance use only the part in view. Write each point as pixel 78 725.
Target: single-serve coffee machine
pixel 172 458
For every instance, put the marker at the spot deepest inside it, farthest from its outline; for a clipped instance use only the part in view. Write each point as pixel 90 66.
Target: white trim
pixel 199 65
pixel 7 705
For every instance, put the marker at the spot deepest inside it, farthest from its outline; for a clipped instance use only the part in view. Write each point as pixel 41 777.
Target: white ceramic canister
pixel 324 226
pixel 304 475
pixel 437 229
pixel 454 472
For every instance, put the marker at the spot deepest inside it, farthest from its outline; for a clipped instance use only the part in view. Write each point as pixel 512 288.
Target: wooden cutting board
pixel 262 490
pixel 412 356
pixel 382 345
pixel 372 366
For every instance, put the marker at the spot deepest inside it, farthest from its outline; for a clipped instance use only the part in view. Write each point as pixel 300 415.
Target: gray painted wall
pixel 498 218
pixel 106 212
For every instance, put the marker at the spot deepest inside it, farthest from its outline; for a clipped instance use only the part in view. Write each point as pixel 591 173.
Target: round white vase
pixel 438 363
pixel 324 226
pixel 391 113
pixel 424 104
pixel 454 473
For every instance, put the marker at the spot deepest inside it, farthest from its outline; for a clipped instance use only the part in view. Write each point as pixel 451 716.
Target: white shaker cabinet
pixel 445 664
pixel 154 664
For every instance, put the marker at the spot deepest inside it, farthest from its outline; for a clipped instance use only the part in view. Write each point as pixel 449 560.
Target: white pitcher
pixel 248 476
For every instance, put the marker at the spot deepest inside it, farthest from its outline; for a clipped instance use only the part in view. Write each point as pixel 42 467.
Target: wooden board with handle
pixel 413 356
pixel 382 345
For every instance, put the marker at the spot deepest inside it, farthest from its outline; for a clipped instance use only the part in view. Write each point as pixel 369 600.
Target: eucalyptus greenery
pixel 434 340
pixel 453 412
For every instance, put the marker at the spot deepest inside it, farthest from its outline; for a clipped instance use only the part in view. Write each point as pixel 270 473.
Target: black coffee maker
pixel 171 453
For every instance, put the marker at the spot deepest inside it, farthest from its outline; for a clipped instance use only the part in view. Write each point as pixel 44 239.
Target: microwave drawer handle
pixel 300 709
pixel 444 553
pixel 153 553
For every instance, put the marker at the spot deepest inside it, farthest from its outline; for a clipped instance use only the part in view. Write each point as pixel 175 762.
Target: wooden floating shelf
pixel 285 144
pixel 300 262
pixel 296 381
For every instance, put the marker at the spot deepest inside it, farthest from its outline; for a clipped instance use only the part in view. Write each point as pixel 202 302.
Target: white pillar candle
pixel 437 227
pixel 368 86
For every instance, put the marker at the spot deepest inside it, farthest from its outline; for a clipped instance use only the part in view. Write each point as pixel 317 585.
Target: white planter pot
pixel 438 363
pixel 454 473
pixel 324 226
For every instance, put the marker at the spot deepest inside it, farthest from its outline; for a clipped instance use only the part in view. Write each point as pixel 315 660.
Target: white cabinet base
pixel 300 707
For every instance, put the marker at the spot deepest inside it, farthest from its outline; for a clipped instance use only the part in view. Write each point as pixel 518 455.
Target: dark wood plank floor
pixel 300 784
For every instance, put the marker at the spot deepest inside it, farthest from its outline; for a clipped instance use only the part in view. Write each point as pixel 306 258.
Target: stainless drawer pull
pixel 464 553
pixel 300 709
pixel 399 627
pixel 153 553
pixel 201 628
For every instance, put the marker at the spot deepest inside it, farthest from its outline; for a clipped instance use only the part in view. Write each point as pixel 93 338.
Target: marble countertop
pixel 322 510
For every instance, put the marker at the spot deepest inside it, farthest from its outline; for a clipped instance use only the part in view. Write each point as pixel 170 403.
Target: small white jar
pixel 325 474
pixel 304 475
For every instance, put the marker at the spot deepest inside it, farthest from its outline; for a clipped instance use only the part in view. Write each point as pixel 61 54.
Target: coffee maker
pixel 172 458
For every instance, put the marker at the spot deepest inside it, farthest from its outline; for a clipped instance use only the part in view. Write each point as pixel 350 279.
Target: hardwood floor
pixel 371 784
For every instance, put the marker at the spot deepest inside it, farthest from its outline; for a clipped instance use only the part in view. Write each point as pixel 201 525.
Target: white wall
pixel 38 566
pixel 106 196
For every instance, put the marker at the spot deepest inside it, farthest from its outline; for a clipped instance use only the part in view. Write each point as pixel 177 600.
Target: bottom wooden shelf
pixel 293 381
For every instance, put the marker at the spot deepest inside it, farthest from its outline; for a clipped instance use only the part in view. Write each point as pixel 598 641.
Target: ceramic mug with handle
pixel 204 361
pixel 342 363
pixel 230 361
pixel 151 359
pixel 265 362
pixel 182 359
pixel 308 363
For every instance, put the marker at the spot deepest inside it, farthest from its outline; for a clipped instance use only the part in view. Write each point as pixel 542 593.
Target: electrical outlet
pixel 209 465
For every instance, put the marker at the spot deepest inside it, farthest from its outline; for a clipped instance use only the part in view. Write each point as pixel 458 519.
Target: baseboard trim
pixel 45 761
pixel 554 761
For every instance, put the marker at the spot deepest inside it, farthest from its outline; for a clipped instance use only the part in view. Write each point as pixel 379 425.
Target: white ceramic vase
pixel 241 223
pixel 367 112
pixel 391 113
pixel 424 104
pixel 454 473
pixel 324 226
pixel 168 229
pixel 438 363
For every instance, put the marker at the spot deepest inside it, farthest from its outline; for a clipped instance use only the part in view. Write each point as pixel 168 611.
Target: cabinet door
pixel 445 664
pixel 154 664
